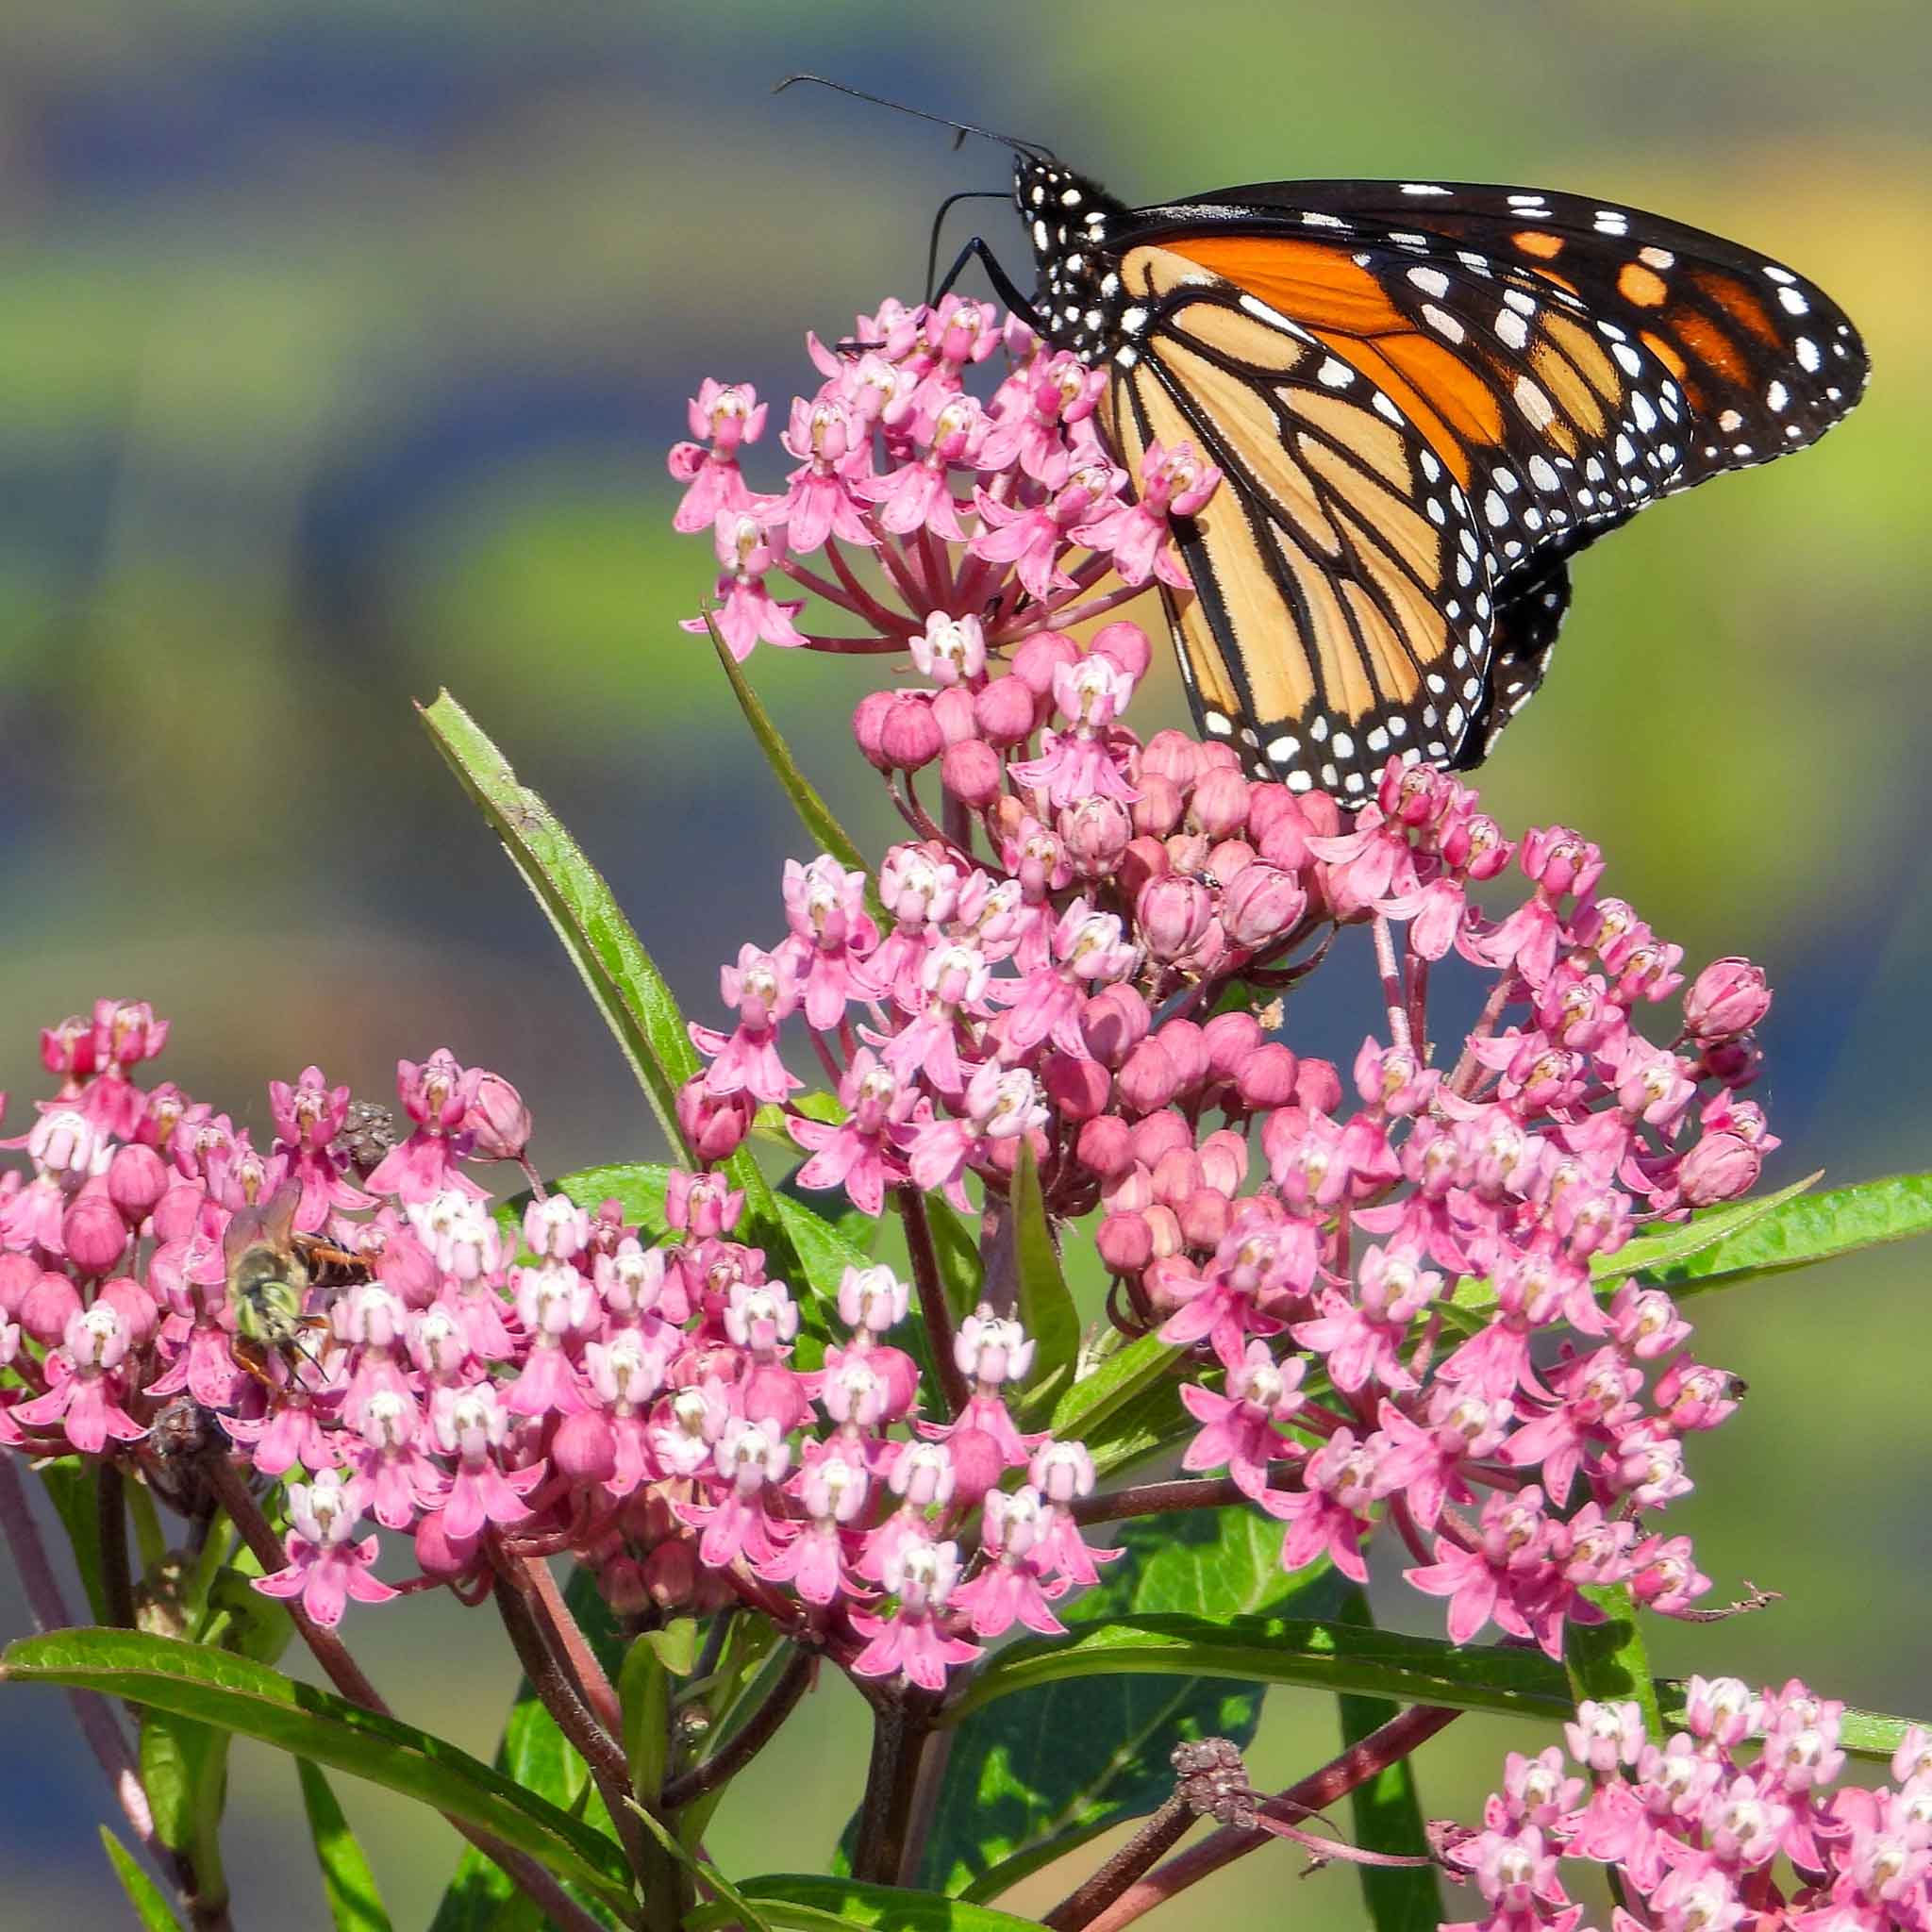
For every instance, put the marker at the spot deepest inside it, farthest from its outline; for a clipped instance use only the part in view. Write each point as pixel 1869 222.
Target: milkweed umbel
pixel 1425 398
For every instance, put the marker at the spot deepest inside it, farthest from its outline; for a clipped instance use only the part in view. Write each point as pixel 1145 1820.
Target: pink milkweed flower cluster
pixel 1390 1285
pixel 1703 1837
pixel 564 1385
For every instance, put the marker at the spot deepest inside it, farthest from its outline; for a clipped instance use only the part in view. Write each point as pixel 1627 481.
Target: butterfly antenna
pixel 961 128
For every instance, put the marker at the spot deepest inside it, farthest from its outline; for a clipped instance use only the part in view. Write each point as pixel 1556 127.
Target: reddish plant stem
pixel 902 1729
pixel 347 1675
pixel 551 1681
pixel 1419 1005
pixel 561 1628
pixel 932 1296
pixel 1153 1499
pixel 1469 1069
pixel 1155 1839
pixel 93 1713
pixel 893 623
pixel 1393 994
pixel 725 1763
pixel 1336 1779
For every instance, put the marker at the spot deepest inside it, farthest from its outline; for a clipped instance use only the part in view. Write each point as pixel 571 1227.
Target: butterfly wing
pixel 1342 606
pixel 1766 359
pixel 1523 372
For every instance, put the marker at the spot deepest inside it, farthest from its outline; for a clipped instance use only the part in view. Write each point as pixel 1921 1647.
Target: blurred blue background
pixel 341 346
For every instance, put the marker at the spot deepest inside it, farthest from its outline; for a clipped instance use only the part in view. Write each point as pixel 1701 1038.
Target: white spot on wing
pixel 1431 281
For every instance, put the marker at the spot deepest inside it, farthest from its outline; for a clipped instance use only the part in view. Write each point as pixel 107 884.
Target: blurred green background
pixel 341 347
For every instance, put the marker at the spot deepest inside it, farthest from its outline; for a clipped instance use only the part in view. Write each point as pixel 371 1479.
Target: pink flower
pixel 436 1094
pixel 1174 483
pixel 1342 1481
pixel 864 1154
pixel 747 613
pixel 85 1386
pixel 762 988
pixel 471 1426
pixel 913 1642
pixel 725 416
pixel 833 450
pixel 1011 1588
pixel 326 1566
pixel 1238 1429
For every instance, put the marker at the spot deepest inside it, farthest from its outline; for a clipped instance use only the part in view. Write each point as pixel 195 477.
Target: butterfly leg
pixel 1003 283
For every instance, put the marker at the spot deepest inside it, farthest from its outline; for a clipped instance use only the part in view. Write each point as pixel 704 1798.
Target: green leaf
pixel 1092 1409
pixel 629 992
pixel 1386 1812
pixel 1747 1239
pixel 1032 1778
pixel 1046 1309
pixel 535 1755
pixel 643 1692
pixel 184 1768
pixel 1802 1230
pixel 822 1253
pixel 241 1697
pixel 812 811
pixel 72 1485
pixel 1323 1655
pixel 144 1895
pixel 805 1903
pixel 703 1869
pixel 353 1903
pixel 1608 1662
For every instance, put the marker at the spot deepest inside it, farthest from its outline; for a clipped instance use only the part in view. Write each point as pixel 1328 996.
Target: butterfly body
pixel 1423 399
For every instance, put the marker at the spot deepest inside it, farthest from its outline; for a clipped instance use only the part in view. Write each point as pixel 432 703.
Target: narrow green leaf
pixel 822 1253
pixel 1046 1309
pixel 1322 1654
pixel 1804 1230
pixel 184 1769
pixel 621 975
pixel 1145 1425
pixel 1386 1812
pixel 1088 1408
pixel 72 1487
pixel 643 1692
pixel 960 1272
pixel 144 1895
pixel 812 811
pixel 1669 1245
pixel 241 1697
pixel 704 1870
pixel 353 1903
pixel 1030 1779
pixel 1608 1662
pixel 816 1903
pixel 853 1226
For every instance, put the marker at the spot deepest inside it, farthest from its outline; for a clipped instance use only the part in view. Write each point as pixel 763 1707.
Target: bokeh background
pixel 340 345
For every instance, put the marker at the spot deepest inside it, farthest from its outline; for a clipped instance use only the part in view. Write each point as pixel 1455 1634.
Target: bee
pixel 273 1271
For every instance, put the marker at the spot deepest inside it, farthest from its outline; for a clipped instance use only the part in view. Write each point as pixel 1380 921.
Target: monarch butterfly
pixel 1425 398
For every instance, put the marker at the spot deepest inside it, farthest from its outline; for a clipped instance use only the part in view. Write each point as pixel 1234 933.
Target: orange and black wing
pixel 1424 408
pixel 1342 608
